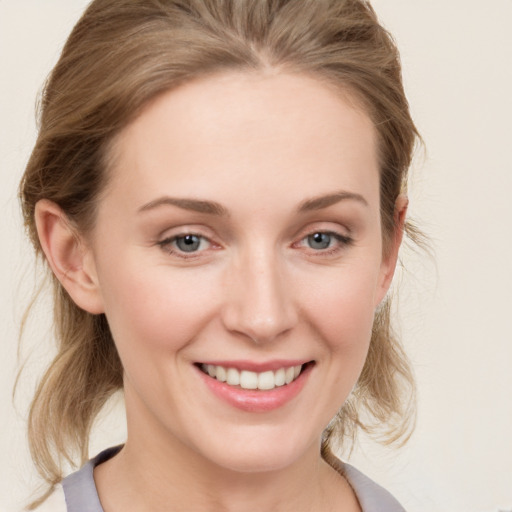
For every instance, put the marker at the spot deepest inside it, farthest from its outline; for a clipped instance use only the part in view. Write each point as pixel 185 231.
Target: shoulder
pixel 54 503
pixel 77 492
pixel 79 487
pixel 372 497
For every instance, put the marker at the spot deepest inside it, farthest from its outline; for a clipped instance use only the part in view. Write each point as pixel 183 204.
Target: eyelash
pixel 343 241
pixel 168 244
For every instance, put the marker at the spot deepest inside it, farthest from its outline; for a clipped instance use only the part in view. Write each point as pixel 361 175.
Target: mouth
pixel 252 380
pixel 255 387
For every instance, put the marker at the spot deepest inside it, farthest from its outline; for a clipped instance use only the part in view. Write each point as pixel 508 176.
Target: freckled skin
pixel 256 288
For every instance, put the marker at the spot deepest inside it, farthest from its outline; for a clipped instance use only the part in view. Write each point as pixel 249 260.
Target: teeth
pixel 253 380
pixel 221 374
pixel 233 377
pixel 248 380
pixel 266 380
pixel 280 377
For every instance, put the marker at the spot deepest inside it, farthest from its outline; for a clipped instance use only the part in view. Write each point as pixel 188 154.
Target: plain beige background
pixel 455 314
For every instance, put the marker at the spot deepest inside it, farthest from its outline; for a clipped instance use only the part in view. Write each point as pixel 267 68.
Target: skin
pixel 262 147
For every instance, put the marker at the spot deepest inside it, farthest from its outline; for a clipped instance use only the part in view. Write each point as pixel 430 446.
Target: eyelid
pixel 166 242
pixel 324 226
pixel 338 236
pixel 343 241
pixel 175 238
pixel 181 230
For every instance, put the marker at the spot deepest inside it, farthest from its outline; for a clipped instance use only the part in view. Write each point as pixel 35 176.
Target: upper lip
pixel 255 366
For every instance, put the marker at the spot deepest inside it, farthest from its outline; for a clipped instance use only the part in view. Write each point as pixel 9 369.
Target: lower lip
pixel 257 401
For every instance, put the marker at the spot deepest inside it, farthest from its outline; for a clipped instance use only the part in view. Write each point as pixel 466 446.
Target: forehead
pixel 250 132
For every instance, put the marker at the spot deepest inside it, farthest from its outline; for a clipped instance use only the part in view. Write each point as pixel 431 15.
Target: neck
pixel 140 479
pixel 159 473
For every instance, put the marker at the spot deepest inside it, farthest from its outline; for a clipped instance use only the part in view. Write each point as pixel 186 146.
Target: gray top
pixel 81 494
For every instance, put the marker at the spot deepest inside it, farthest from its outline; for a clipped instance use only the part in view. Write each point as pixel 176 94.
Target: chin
pixel 259 453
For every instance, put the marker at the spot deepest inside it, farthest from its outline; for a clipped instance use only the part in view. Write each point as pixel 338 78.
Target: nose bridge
pixel 260 303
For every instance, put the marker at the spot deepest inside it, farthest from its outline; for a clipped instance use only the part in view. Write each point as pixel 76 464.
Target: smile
pixel 255 387
pixel 246 379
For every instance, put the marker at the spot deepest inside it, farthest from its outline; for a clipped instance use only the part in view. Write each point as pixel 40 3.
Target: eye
pixel 185 244
pixel 189 243
pixel 325 242
pixel 320 241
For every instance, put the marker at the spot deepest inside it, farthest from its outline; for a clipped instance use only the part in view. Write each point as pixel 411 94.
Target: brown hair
pixel 123 53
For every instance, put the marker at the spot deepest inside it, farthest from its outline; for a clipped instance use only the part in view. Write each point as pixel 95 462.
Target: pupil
pixel 188 243
pixel 319 241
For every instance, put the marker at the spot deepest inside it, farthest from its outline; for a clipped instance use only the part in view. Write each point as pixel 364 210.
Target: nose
pixel 259 303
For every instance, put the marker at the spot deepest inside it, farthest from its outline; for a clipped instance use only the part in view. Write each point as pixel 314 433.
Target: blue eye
pixel 183 245
pixel 188 243
pixel 320 241
pixel 325 243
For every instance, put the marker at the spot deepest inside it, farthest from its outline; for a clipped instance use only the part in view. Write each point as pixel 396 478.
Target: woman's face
pixel 240 234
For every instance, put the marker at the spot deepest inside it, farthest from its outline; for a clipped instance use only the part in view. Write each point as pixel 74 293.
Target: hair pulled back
pixel 123 53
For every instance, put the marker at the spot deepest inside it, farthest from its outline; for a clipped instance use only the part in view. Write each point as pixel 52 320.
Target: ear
pixel 68 255
pixel 390 257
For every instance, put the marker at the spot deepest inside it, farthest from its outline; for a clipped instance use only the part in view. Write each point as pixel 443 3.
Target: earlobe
pixel 390 258
pixel 68 256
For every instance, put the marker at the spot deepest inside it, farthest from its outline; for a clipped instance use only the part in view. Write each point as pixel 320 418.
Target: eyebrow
pixel 320 202
pixel 196 205
pixel 213 208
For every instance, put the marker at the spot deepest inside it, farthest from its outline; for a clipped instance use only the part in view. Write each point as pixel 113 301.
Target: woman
pixel 219 191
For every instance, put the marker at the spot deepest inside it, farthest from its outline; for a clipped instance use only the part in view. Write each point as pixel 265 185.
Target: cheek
pixel 155 309
pixel 340 315
pixel 342 308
